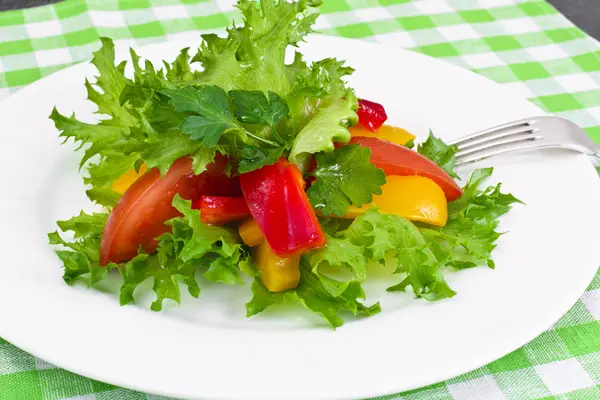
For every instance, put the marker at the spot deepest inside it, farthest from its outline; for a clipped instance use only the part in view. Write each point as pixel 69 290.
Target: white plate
pixel 207 349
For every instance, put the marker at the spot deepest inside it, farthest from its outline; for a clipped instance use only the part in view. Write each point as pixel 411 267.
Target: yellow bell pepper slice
pixel 386 132
pixel 122 184
pixel 413 197
pixel 250 233
pixel 277 273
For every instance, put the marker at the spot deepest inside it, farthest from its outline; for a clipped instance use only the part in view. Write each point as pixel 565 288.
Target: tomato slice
pixel 139 216
pixel 399 160
pixel 220 210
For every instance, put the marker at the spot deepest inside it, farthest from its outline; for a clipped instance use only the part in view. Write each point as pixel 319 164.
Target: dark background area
pixel 584 13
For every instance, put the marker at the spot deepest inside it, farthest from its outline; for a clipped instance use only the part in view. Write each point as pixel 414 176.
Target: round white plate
pixel 206 348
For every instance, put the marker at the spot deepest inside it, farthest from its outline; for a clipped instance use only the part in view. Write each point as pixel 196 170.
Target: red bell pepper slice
pixel 277 200
pixel 219 210
pixel 394 159
pixel 371 115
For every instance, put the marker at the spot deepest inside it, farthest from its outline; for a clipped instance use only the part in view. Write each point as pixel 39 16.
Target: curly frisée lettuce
pixel 192 247
pixel 237 96
pixel 161 115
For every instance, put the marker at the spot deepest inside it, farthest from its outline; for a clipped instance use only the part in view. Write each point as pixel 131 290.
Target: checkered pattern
pixel 525 45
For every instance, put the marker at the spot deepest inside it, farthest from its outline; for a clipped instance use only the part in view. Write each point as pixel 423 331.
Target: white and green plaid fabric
pixel 525 45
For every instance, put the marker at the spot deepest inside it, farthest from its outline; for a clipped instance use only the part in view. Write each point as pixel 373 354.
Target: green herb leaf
pixel 344 177
pixel 253 107
pixel 254 157
pixel 212 106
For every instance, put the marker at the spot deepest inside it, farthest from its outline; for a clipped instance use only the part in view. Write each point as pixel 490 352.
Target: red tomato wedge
pixel 277 200
pixel 139 216
pixel 399 160
pixel 371 115
pixel 219 210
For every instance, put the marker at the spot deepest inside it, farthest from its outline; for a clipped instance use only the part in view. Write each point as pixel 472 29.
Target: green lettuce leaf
pixel 315 87
pixel 386 236
pixel 470 234
pixel 314 296
pixel 191 247
pixel 318 299
pixel 140 123
pixel 339 254
pixel 180 70
pixel 80 257
pixel 330 124
pixel 263 298
pixel 439 152
pixel 252 56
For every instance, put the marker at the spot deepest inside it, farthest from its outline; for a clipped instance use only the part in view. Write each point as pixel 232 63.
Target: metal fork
pixel 525 134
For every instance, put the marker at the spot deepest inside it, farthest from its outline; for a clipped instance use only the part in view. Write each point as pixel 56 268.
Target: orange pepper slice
pixel 386 132
pixel 413 197
pixel 122 184
pixel 277 273
pixel 250 233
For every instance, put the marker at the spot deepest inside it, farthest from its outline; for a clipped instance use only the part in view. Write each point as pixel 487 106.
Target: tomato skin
pixel 219 210
pixel 371 115
pixel 139 216
pixel 399 160
pixel 277 200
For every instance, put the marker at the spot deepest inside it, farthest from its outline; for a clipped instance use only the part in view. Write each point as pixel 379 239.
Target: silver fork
pixel 525 134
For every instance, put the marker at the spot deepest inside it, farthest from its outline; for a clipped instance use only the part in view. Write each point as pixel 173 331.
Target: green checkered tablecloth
pixel 525 45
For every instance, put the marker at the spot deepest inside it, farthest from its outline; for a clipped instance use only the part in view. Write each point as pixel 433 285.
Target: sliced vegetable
pixel 386 132
pixel 139 216
pixel 126 180
pixel 371 115
pixel 250 233
pixel 219 210
pixel 278 274
pixel 412 197
pixel 399 160
pixel 276 198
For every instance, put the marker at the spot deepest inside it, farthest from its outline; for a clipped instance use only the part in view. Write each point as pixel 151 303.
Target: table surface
pixel 584 13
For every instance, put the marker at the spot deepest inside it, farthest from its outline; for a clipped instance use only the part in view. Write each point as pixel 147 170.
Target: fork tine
pixel 514 146
pixel 522 125
pixel 491 144
pixel 492 137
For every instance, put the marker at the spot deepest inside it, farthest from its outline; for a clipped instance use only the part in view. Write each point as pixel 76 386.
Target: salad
pixel 232 163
